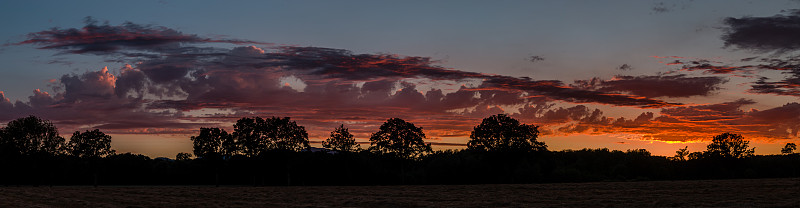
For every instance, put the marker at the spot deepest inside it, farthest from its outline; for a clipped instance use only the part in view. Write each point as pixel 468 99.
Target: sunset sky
pixel 658 75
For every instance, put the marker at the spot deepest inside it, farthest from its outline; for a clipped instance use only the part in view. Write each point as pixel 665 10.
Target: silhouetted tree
pixel 183 156
pixel 501 132
pixel 257 135
pixel 789 148
pixel 209 143
pixel 401 138
pixel 90 144
pixel 30 135
pixel 341 140
pixel 681 154
pixel 729 145
pixel 695 155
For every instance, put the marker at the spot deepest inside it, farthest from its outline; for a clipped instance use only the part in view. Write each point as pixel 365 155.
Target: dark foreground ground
pixel 716 193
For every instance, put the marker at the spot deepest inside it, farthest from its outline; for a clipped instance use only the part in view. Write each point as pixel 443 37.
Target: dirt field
pixel 714 193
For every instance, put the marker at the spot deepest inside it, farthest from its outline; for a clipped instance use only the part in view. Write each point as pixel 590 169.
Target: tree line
pixel 276 151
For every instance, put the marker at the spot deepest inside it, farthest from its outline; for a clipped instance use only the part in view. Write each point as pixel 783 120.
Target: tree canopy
pixel 256 135
pixel 728 145
pixel 681 154
pixel 211 142
pixel 341 140
pixel 401 138
pixel 31 135
pixel 501 132
pixel 183 156
pixel 90 144
pixel 789 148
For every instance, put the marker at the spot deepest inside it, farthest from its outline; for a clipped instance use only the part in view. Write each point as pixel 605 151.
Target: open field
pixel 716 193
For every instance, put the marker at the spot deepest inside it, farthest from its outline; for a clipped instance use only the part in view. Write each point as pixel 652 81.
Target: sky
pixel 657 75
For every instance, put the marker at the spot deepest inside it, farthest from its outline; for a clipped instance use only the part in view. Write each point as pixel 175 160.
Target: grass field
pixel 714 193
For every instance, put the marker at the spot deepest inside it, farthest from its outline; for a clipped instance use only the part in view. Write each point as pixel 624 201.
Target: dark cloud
pixel 789 66
pixel 789 86
pixel 625 67
pixel 104 39
pixel 322 65
pixel 764 34
pixel 535 59
pixel 6 107
pixel 656 86
pixel 716 69
pixel 130 82
pixel 660 7
pixel 554 89
pixel 669 6
pixel 100 84
pixel 721 111
pixel 779 122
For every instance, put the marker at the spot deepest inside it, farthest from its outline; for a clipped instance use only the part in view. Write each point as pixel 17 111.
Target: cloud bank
pixel 176 82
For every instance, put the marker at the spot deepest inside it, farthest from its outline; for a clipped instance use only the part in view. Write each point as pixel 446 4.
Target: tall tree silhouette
pixel 341 140
pixel 401 138
pixel 728 145
pixel 212 142
pixel 257 135
pixel 31 135
pixel 90 144
pixel 681 154
pixel 503 133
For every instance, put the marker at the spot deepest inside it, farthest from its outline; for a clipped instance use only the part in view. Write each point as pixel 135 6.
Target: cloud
pixel 656 86
pixel 764 34
pixel 174 68
pixel 660 8
pixel 255 69
pixel 535 59
pixel 89 100
pixel 670 6
pixel 625 67
pixel 688 123
pixel 712 112
pixel 91 84
pixel 5 103
pixel 783 121
pixel 183 87
pixel 789 86
pixel 789 66
pixel 105 39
